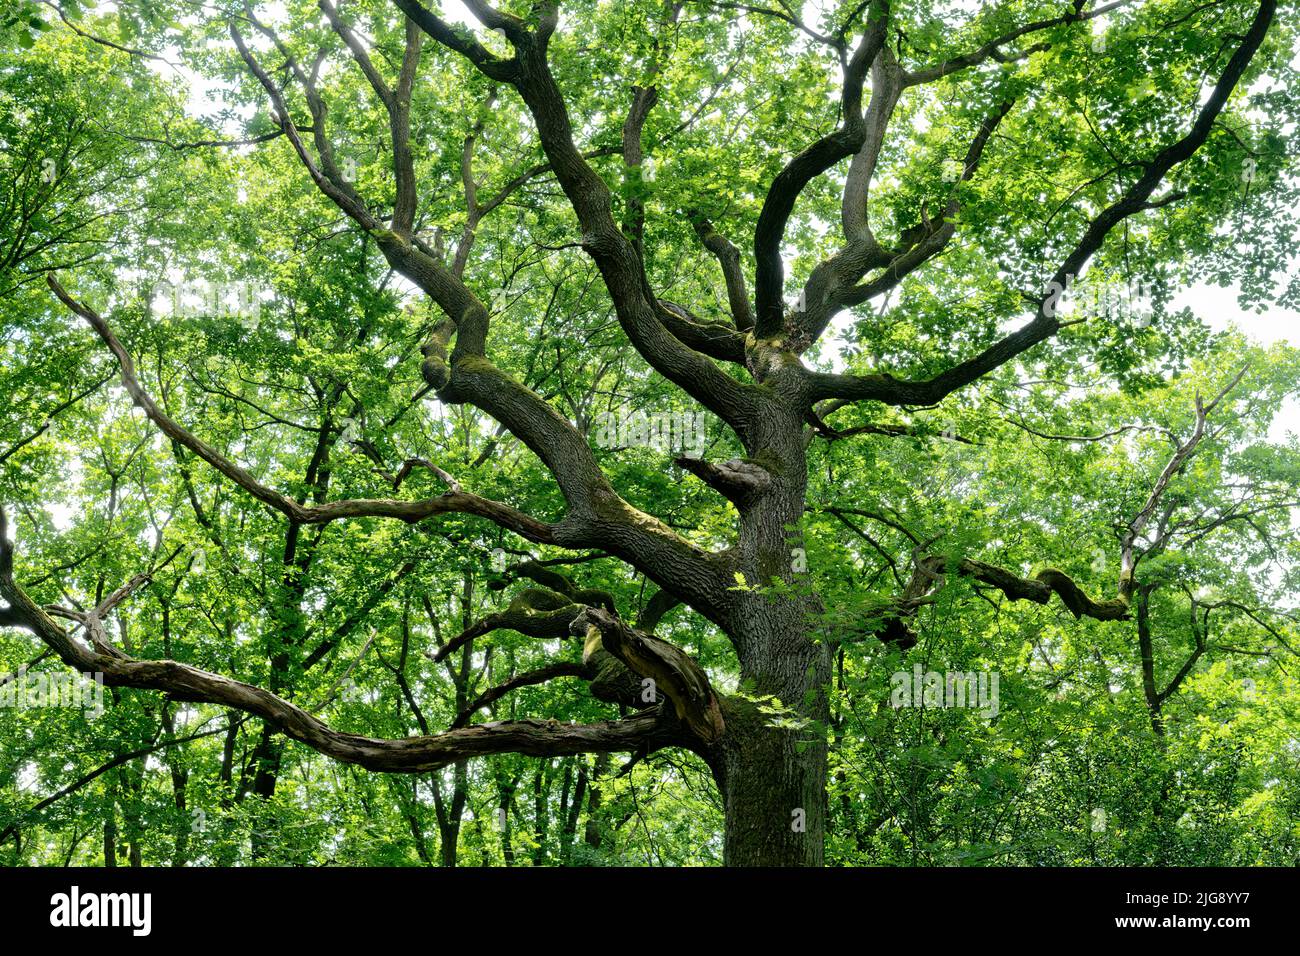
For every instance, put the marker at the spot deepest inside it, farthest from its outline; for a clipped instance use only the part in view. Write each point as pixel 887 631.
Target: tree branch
pixel 892 391
pixel 182 682
pixel 769 277
pixel 409 511
pixel 529 678
pixel 672 670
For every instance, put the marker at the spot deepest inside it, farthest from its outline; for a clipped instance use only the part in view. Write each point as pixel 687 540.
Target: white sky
pixel 1218 307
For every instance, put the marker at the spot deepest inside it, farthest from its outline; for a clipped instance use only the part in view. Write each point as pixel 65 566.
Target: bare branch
pixel 1129 556
pixel 728 257
pixel 769 278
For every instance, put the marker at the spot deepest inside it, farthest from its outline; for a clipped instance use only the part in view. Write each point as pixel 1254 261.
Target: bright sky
pixel 1218 307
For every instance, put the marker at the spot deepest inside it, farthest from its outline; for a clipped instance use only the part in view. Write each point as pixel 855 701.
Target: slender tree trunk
pixel 110 837
pixel 449 817
pixel 575 808
pixel 592 832
pixel 180 782
pixel 541 812
pixel 266 760
pixel 77 838
pixel 507 838
pixel 230 791
pixel 411 811
pixel 1162 819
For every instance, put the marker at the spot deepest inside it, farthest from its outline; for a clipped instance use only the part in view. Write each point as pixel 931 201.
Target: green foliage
pixel 320 395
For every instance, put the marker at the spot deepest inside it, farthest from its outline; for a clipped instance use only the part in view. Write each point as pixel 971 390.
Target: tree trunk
pixel 592 832
pixel 180 783
pixel 449 817
pixel 110 837
pixel 541 812
pixel 773 779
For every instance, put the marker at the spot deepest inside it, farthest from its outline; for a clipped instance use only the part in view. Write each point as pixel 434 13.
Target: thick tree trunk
pixel 774 778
